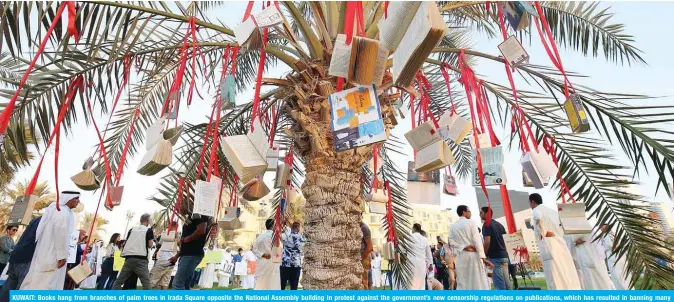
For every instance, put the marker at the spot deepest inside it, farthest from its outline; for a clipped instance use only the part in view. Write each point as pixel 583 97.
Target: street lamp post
pixel 129 216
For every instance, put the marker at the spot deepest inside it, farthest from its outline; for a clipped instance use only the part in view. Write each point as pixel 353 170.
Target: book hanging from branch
pixel 449 187
pixel 526 181
pixel 247 154
pixel 80 272
pixel 483 138
pixel 454 127
pixel 156 159
pixel 115 197
pixel 513 52
pixel 492 167
pixel 576 114
pixel 389 251
pixel 362 62
pixel 432 152
pixel 572 218
pixel 377 200
pixel 206 196
pixel 22 210
pixel 86 179
pixel 273 159
pixel 282 175
pixel 538 168
pixel 230 219
pixel 248 33
pixel 419 38
pixel 228 91
pixel 254 189
pixel 518 13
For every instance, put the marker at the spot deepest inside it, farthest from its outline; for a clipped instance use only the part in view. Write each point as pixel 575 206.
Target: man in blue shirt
pixel 494 248
pixel 19 260
pixel 291 265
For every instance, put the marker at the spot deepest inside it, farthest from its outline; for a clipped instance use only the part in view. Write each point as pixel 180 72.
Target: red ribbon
pixel 207 136
pixel 122 158
pixel 549 147
pixel 72 18
pixel 445 75
pixel 212 163
pixel 290 157
pixel 233 198
pixel 386 3
pixel 9 109
pixel 258 83
pixel 375 181
pixel 555 58
pixel 178 203
pixel 391 234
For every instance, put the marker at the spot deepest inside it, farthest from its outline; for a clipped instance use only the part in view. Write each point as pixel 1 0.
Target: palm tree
pixel 100 223
pixel 151 34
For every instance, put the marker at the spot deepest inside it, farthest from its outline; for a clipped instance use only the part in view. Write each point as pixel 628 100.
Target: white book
pixel 247 153
pixel 244 31
pixel 399 16
pixel 454 127
pixel 80 272
pixel 269 16
pixel 422 136
pixel 415 34
pixel 434 156
pixel 514 52
pixel 380 67
pixel 206 197
pixel 341 58
pixel 572 217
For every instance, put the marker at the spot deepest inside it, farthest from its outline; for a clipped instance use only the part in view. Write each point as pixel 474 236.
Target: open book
pixel 454 127
pixel 538 167
pixel 206 196
pixel 572 217
pixel 247 153
pixel 362 62
pixel 432 152
pixel 80 272
pixel 400 15
pixel 423 34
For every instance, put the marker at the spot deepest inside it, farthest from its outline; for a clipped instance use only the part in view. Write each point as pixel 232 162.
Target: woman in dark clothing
pixel 441 270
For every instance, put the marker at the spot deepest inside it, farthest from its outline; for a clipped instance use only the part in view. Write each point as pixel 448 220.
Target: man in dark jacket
pixel 19 260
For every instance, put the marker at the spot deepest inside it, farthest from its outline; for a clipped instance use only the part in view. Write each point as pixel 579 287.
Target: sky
pixel 653 79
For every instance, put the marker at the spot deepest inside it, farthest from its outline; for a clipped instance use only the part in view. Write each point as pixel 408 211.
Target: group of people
pixel 476 256
pixel 472 254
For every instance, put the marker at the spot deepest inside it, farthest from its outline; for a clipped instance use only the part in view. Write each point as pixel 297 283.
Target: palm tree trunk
pixel 332 219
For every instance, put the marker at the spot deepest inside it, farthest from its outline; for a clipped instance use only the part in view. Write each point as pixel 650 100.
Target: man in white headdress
pixel 267 273
pixel 558 268
pixel 591 259
pixel 226 268
pixel 48 267
pixel 616 266
pixel 466 239
pixel 421 258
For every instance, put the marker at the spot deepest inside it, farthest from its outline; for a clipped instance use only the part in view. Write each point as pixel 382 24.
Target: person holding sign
pixel 560 273
pixel 48 267
pixel 465 238
pixel 267 273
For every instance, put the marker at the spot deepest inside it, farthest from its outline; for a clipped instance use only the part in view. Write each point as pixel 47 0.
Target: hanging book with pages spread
pixel 453 127
pixel 22 210
pixel 362 62
pixel 247 154
pixel 86 179
pixel 432 152
pixel 159 150
pixel 483 138
pixel 254 189
pixel 538 167
pixel 576 114
pixel 572 217
pixel 356 118
pixel 230 219
pixel 422 35
pixel 377 200
pixel 206 196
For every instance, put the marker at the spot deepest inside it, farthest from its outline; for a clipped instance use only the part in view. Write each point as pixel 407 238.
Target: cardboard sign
pixel 514 244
